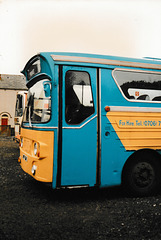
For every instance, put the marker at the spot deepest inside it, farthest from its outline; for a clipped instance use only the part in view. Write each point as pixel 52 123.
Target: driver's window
pixel 78 97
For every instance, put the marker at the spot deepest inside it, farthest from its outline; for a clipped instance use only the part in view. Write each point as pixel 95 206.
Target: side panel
pixel 127 127
pixel 44 160
pixel 137 130
pixel 113 153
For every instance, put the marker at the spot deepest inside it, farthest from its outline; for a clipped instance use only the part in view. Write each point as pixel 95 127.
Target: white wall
pixel 7 104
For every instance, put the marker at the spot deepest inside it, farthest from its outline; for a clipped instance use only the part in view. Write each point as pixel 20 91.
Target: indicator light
pixel 21 142
pixel 107 108
pixel 35 149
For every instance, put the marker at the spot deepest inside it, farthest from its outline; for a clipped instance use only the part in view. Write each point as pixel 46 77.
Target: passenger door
pixel 79 127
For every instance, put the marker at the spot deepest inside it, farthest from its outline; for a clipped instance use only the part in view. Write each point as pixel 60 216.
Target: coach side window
pixel 139 85
pixel 78 97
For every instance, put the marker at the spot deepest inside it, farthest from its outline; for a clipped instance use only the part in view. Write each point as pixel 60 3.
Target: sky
pixel 129 28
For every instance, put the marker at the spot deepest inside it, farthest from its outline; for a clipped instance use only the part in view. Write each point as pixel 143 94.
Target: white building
pixel 9 86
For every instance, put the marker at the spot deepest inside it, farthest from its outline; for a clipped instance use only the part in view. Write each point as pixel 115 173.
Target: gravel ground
pixel 32 210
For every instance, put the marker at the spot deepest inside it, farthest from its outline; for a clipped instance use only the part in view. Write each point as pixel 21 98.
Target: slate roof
pixel 12 82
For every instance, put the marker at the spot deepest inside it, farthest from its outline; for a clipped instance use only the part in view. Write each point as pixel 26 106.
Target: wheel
pixel 142 176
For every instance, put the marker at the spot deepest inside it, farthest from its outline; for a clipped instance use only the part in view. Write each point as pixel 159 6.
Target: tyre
pixel 142 174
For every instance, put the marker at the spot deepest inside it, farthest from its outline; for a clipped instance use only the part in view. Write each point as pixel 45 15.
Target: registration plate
pixel 24 157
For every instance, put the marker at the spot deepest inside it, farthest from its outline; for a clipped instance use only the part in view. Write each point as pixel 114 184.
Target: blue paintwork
pixel 141 60
pixel 79 146
pixel 113 153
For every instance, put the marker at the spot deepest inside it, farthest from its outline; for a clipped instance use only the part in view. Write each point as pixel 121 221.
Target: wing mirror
pixel 47 88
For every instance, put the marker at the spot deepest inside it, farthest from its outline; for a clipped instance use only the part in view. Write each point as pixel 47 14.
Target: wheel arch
pixel 145 151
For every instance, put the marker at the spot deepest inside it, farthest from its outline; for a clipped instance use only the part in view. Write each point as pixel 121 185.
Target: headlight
pixel 35 149
pixel 33 170
pixel 21 142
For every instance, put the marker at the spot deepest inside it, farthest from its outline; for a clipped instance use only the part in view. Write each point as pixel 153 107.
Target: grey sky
pixel 113 27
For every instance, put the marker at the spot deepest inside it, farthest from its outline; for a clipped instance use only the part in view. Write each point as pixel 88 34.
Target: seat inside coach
pixel 144 94
pixel 157 98
pixel 144 97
